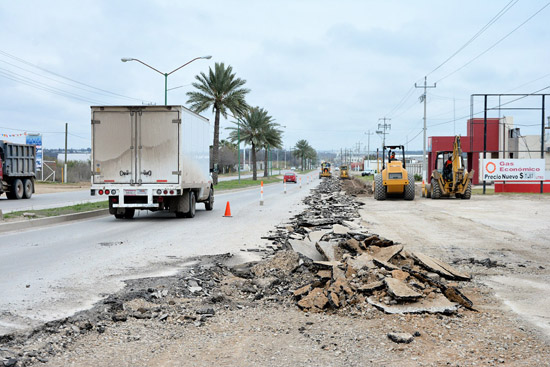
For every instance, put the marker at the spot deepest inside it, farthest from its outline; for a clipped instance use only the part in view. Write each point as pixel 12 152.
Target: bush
pixel 417 177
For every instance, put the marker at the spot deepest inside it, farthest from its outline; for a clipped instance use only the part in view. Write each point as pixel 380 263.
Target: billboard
pixel 513 170
pixel 36 139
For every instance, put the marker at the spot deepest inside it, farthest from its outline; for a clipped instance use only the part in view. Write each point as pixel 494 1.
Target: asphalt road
pixel 54 271
pixel 44 201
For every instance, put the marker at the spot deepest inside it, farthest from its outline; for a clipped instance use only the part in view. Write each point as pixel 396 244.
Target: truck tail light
pixel 113 192
pixel 100 192
pixel 107 192
pixel 160 199
pixel 114 200
pixel 165 192
pixel 171 192
pixel 159 191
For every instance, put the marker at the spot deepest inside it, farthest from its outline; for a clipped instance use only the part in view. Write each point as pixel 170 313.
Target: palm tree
pixel 252 126
pixel 222 91
pixel 272 138
pixel 301 150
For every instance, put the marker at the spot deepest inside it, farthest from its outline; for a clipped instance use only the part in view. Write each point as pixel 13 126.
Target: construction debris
pixel 352 267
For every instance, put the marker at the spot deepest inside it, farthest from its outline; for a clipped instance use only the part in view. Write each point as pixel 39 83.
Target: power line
pixel 66 78
pixel 494 44
pixel 475 36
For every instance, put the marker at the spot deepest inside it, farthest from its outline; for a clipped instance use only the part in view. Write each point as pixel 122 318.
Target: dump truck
pixel 17 170
pixel 325 170
pixel 393 180
pixel 449 177
pixel 151 158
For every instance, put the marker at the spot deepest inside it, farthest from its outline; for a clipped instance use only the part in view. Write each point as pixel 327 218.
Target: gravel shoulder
pixel 209 313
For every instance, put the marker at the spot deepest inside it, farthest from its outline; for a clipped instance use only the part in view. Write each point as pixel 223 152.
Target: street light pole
pixel 239 148
pixel 126 59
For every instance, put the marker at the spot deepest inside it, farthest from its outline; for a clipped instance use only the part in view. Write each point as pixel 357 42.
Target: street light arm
pixel 187 63
pixel 149 66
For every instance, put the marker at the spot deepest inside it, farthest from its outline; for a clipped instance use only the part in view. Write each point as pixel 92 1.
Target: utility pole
pixel 382 129
pixel 65 168
pixel 423 99
pixel 368 133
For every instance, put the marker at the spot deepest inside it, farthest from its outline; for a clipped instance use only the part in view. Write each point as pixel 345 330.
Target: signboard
pixel 36 139
pixel 513 170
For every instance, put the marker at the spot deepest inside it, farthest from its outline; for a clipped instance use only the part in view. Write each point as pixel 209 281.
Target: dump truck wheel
pixel 209 203
pixel 18 189
pixel 468 192
pixel 129 213
pixel 28 188
pixel 119 216
pixel 379 189
pixel 436 190
pixel 428 191
pixel 409 189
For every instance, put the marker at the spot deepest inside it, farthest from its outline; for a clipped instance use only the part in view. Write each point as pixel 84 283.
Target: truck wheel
pixel 28 188
pixel 119 216
pixel 468 191
pixel 18 189
pixel 409 189
pixel 192 204
pixel 129 213
pixel 209 203
pixel 379 189
pixel 436 190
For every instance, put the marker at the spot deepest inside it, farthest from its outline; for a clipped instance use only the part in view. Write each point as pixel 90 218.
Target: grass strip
pixel 245 182
pixel 53 212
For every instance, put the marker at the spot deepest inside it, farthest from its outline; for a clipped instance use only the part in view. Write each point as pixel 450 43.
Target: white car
pixel 368 172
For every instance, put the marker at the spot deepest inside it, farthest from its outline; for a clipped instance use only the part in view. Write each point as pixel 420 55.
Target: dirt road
pixel 512 231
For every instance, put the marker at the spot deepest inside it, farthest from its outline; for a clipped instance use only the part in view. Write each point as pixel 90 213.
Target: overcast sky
pixel 327 70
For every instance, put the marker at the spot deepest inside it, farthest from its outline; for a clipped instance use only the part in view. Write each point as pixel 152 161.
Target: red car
pixel 290 177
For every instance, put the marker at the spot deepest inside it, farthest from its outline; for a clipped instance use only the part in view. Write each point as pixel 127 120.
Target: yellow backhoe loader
pixel 450 178
pixel 393 180
pixel 325 170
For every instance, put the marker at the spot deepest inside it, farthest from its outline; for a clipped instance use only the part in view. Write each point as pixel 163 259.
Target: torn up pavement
pixel 354 268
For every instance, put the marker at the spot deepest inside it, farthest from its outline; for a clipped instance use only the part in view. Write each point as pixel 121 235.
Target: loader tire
pixel 410 188
pixel 379 188
pixel 436 190
pixel 468 192
pixel 428 191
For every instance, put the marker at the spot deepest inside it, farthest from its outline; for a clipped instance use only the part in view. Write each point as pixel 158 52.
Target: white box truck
pixel 151 158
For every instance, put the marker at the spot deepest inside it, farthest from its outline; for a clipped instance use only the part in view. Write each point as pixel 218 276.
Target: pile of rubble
pixel 355 268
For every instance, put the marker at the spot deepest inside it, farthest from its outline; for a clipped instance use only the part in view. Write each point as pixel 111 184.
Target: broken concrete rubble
pixel 358 263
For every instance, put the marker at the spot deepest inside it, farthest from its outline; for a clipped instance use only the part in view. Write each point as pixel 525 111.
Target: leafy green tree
pixel 252 127
pixel 222 91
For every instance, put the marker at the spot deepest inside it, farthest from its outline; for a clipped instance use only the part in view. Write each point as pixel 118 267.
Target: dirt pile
pixel 357 187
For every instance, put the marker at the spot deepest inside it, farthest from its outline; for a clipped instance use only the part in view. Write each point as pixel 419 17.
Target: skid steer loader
pixel 450 178
pixel 393 180
pixel 344 173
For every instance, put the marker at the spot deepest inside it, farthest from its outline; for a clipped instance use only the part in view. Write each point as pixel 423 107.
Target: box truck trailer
pixel 151 158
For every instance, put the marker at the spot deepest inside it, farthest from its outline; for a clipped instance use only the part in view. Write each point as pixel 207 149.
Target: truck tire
pixel 209 203
pixel 379 189
pixel 119 216
pixel 129 213
pixel 468 191
pixel 18 189
pixel 436 190
pixel 192 205
pixel 410 188
pixel 28 188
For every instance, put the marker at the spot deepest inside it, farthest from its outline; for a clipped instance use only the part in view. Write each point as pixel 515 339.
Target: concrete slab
pixel 439 267
pixel 440 304
pixel 386 253
pixel 401 290
pixel 307 249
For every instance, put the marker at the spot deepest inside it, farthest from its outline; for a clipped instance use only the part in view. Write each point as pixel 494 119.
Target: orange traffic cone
pixel 227 210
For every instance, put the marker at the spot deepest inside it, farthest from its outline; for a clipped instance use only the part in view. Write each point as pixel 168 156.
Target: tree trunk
pixel 266 159
pixel 254 169
pixel 215 146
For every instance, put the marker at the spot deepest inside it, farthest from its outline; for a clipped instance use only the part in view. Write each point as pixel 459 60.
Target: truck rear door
pixel 113 139
pixel 158 147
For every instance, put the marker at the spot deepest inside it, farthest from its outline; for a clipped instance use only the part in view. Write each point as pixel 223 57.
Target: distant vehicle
pixel 290 177
pixel 151 158
pixel 325 170
pixel 293 168
pixel 17 170
pixel 368 172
